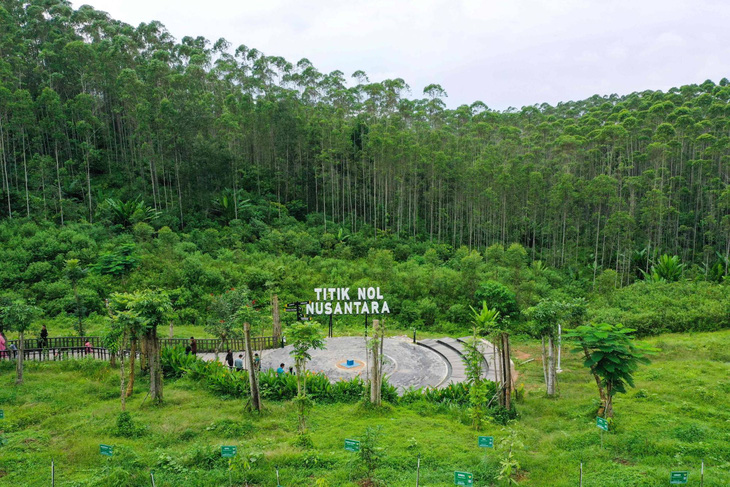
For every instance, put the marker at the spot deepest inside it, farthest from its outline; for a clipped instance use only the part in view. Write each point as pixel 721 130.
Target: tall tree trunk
pixel 551 367
pixel 122 395
pixel 19 363
pixel 507 372
pixel 143 356
pixel 25 170
pixel 252 379
pixel 153 359
pixel 132 359
pixel 601 391
pixel 376 377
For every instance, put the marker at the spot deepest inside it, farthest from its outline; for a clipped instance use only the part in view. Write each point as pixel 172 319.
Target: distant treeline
pixel 92 108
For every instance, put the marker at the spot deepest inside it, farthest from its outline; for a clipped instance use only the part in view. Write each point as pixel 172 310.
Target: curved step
pixel 487 355
pixel 453 358
pixel 429 343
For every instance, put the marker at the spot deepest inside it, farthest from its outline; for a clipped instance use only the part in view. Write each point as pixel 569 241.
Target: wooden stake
pixel 255 398
pixel 375 388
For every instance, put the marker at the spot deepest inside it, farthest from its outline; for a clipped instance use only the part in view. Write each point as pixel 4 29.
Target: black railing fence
pixel 63 348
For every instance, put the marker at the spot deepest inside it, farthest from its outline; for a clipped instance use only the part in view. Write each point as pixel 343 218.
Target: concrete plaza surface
pixel 406 364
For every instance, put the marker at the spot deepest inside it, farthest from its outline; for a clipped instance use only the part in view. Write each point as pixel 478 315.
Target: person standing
pixel 193 346
pixel 229 359
pixel 280 371
pixel 256 362
pixel 2 344
pixel 44 337
pixel 87 347
pixel 239 363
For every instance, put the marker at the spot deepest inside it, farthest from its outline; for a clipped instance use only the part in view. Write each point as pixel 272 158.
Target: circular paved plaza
pixel 406 364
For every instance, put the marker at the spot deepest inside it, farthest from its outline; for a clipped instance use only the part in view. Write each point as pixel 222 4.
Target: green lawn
pixel 675 417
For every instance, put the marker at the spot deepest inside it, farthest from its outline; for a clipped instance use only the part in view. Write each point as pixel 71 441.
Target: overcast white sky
pixel 504 53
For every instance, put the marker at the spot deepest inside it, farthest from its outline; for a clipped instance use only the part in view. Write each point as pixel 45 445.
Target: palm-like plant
pixel 127 213
pixel 229 205
pixel 666 269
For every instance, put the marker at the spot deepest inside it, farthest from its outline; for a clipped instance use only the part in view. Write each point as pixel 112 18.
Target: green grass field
pixel 676 417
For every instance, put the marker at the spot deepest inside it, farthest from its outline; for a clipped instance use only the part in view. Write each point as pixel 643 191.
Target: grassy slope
pixel 675 417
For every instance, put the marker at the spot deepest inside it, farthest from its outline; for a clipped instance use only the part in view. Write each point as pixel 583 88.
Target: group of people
pixel 237 364
pixel 8 349
pixel 5 350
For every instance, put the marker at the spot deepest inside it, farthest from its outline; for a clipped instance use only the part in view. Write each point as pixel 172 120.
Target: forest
pixel 205 133
pixel 197 167
pixel 150 182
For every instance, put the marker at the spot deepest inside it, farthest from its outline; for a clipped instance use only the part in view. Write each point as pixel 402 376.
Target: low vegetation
pixel 675 417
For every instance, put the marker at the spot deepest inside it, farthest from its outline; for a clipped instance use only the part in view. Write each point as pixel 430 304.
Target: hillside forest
pixel 131 160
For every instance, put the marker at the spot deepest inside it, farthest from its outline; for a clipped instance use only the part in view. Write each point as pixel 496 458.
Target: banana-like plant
pixel 127 213
pixel 665 269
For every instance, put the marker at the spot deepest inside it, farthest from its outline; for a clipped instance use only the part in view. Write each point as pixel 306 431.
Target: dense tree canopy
pixel 93 109
pixel 146 162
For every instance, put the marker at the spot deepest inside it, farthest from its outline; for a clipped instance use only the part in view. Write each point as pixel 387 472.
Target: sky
pixel 505 53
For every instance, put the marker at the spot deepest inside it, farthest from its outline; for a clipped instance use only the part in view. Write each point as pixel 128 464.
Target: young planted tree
pixel 500 298
pixel 154 309
pixel 18 316
pixel 484 322
pixel 121 324
pixel 304 337
pixel 147 309
pixel 612 355
pixel 545 317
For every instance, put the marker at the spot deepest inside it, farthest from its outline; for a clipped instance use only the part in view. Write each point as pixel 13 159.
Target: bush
pixel 659 307
pixel 498 297
pixel 175 362
pixel 126 427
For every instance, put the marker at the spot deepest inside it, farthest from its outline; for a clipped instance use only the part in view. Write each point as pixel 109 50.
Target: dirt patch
pixel 521 355
pixel 623 461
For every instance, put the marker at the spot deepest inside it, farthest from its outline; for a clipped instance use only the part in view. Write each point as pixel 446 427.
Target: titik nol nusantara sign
pixel 347 301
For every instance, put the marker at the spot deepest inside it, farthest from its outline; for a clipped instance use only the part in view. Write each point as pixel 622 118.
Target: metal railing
pixel 48 354
pixel 75 347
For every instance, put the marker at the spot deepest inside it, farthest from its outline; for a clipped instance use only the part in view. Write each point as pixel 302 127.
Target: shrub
pixel 499 297
pixel 126 427
pixel 175 362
